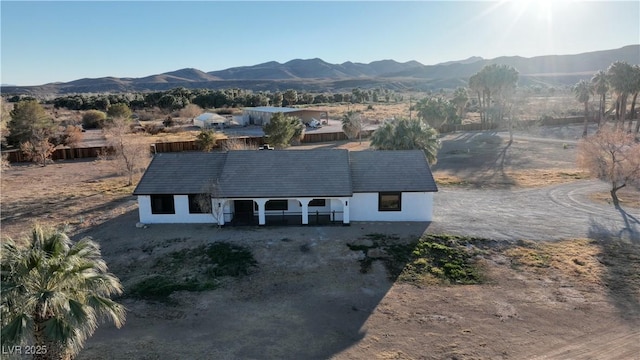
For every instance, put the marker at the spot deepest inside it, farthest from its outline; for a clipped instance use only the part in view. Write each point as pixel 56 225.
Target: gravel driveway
pixel 555 212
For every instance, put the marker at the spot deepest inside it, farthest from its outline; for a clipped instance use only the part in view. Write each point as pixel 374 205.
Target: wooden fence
pixel 447 128
pixel 192 145
pixel 309 138
pixel 17 155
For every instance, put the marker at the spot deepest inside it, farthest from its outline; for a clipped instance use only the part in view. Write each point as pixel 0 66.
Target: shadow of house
pixel 313 305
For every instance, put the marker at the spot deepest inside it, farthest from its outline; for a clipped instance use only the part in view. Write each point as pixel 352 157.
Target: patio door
pixel 243 213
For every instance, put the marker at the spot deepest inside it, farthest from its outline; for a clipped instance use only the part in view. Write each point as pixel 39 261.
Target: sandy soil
pixel 308 300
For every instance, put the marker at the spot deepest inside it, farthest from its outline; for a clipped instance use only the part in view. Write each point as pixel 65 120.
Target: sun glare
pixel 541 10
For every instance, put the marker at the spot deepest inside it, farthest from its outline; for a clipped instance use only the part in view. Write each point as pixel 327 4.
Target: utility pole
pixel 409 106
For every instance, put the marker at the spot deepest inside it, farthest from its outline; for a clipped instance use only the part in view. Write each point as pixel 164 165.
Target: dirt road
pixel 548 213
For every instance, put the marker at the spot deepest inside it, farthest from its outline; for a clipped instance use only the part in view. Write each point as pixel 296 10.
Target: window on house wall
pixel 277 205
pixel 196 206
pixel 162 204
pixel 390 201
pixel 317 202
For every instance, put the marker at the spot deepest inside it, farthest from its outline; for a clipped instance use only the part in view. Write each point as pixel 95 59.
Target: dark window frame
pixel 276 205
pixel 194 206
pixel 389 208
pixel 318 203
pixel 163 204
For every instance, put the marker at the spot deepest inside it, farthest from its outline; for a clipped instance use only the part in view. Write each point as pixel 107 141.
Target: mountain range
pixel 318 75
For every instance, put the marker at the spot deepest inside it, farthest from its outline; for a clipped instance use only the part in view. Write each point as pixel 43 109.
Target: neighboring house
pixel 209 121
pixel 287 186
pixel 262 115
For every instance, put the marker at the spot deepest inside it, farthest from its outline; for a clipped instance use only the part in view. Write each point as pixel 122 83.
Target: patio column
pixel 345 211
pixel 305 210
pixel 219 208
pixel 261 206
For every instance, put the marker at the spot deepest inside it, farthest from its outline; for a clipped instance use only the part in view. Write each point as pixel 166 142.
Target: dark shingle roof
pixel 287 173
pixel 180 173
pixel 398 170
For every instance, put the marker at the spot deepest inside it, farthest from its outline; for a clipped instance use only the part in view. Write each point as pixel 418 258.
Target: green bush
pixel 443 257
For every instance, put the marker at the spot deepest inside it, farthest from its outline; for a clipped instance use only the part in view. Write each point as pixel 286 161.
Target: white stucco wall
pixel 181 216
pixel 416 206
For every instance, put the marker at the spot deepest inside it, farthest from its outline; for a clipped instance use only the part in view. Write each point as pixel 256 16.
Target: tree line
pixel 622 81
pixel 179 98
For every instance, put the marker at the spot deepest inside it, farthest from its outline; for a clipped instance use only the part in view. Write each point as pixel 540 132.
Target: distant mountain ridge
pixel 318 75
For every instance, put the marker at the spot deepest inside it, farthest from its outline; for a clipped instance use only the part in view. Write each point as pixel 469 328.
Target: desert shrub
pixel 159 287
pixel 4 162
pixel 119 110
pixel 169 122
pixel 153 129
pixel 207 140
pixel 237 144
pixel 38 150
pixel 224 111
pixel 93 119
pixel 71 136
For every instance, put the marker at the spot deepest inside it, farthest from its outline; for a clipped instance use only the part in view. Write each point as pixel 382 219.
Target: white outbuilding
pixel 209 121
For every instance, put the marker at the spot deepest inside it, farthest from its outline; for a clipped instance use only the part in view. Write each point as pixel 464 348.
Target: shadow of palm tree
pixel 479 157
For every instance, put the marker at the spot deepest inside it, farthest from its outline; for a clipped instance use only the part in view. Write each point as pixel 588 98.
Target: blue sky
pixel 52 41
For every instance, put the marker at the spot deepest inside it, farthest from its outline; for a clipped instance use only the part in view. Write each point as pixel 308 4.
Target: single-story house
pixel 209 121
pixel 290 186
pixel 262 115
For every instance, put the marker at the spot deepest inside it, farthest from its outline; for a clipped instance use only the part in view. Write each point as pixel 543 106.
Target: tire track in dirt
pixel 555 212
pixel 606 344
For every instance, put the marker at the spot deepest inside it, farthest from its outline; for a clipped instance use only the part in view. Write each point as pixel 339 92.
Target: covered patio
pixel 290 211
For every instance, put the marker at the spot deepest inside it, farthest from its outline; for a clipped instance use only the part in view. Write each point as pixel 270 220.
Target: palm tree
pixel 493 80
pixel 352 125
pixel 407 135
pixel 583 91
pixel 635 89
pixel 600 84
pixel 54 292
pixel 460 100
pixel 621 77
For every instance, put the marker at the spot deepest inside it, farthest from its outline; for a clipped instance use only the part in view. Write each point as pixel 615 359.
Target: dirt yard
pixel 549 292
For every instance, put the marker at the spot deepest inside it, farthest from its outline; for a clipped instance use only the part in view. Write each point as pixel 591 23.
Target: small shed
pixel 209 121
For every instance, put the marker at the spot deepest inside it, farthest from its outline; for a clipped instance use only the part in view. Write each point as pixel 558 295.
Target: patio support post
pixel 345 210
pixel 261 215
pixel 305 211
pixel 219 208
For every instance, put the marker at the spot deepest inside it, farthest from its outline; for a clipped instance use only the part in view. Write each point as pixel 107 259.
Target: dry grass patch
pixel 446 179
pixel 545 177
pixel 174 134
pixel 517 178
pixel 575 258
pixel 627 197
pixel 377 112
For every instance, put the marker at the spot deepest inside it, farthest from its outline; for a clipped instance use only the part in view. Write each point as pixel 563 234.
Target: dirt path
pixel 549 213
